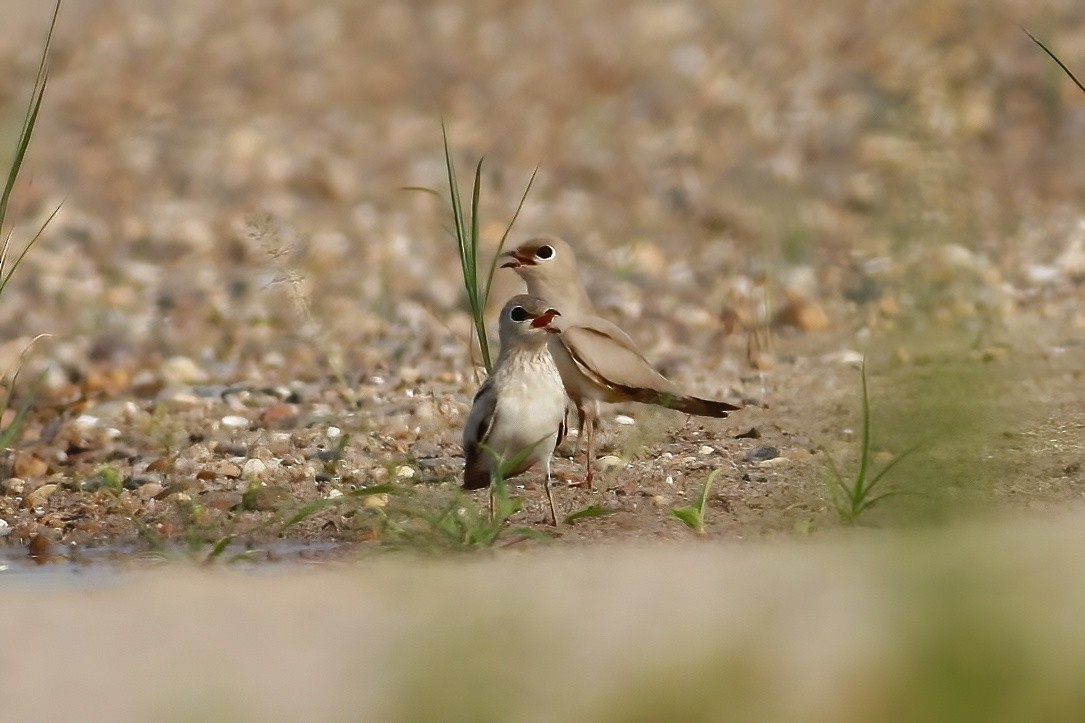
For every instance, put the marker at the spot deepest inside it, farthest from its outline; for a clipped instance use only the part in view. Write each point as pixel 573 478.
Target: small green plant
pixel 107 478
pixel 462 525
pixel 852 499
pixel 459 526
pixel 466 231
pixel 693 516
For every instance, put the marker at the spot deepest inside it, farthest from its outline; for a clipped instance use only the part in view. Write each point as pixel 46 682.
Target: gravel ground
pixel 249 311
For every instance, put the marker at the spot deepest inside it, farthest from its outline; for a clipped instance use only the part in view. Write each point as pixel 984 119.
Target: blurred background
pixel 893 162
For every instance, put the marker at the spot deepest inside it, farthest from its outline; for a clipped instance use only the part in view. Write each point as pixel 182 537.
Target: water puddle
pixel 64 569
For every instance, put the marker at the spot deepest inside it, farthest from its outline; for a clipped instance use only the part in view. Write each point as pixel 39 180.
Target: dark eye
pixel 545 253
pixel 518 314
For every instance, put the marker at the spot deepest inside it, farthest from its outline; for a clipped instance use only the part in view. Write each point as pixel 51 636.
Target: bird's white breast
pixel 530 405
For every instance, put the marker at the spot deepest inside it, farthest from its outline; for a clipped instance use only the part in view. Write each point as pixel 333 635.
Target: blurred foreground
pixel 970 624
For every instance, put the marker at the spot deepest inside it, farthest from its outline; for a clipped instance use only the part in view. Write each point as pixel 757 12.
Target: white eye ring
pixel 544 253
pixel 518 314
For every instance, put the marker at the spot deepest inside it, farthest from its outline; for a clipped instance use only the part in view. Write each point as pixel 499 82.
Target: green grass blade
pixel 478 301
pixel 690 517
pixel 457 205
pixel 707 488
pixel 467 241
pixel 21 147
pixel 519 534
pixel 6 276
pixel 11 432
pixel 312 508
pixel 31 117
pixel 589 512
pixel 505 235
pixel 871 501
pixel 892 464
pixel 219 548
pixel 374 490
pixel 859 491
pixel 1054 57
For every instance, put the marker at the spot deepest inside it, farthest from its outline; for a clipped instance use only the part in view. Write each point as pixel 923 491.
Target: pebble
pixel 661 500
pixel 334 432
pixel 848 356
pixel 705 449
pixel 14 486
pixel 280 416
pixel 40 548
pixel 375 501
pixel 1041 274
pixel 803 315
pixel 149 491
pixel 334 494
pixel 774 462
pixel 405 472
pixel 254 469
pixel 762 453
pixel 235 421
pixel 182 370
pixel 27 464
pixel 5 528
pixel 624 419
pixel 609 461
pixel 226 469
pixel 40 496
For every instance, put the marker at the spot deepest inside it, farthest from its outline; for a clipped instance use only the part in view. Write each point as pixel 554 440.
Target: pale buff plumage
pixel 598 362
pixel 518 415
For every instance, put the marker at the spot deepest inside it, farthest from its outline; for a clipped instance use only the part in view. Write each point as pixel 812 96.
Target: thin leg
pixel 491 495
pixel 579 429
pixel 550 495
pixel 589 422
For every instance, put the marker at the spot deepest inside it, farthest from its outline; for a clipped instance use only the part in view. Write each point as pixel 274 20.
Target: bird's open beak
pixel 542 321
pixel 516 260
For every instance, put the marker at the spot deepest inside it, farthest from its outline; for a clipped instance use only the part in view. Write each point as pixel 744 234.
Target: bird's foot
pixel 584 482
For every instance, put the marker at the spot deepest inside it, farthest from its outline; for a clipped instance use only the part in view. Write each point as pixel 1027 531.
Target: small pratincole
pixel 518 415
pixel 598 362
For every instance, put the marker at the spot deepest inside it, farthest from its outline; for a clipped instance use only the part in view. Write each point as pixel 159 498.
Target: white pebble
pixel 86 420
pixel 705 449
pixel 254 468
pixel 334 432
pixel 609 461
pixel 235 421
pixel 626 420
pixel 5 528
pixel 1038 274
pixel 334 494
pixel 404 472
pixel 182 370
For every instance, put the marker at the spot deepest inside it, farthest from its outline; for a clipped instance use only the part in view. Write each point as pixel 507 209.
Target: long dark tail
pixel 682 403
pixel 700 407
pixel 690 405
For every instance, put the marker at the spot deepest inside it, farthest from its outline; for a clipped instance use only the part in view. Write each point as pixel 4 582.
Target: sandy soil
pixel 249 313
